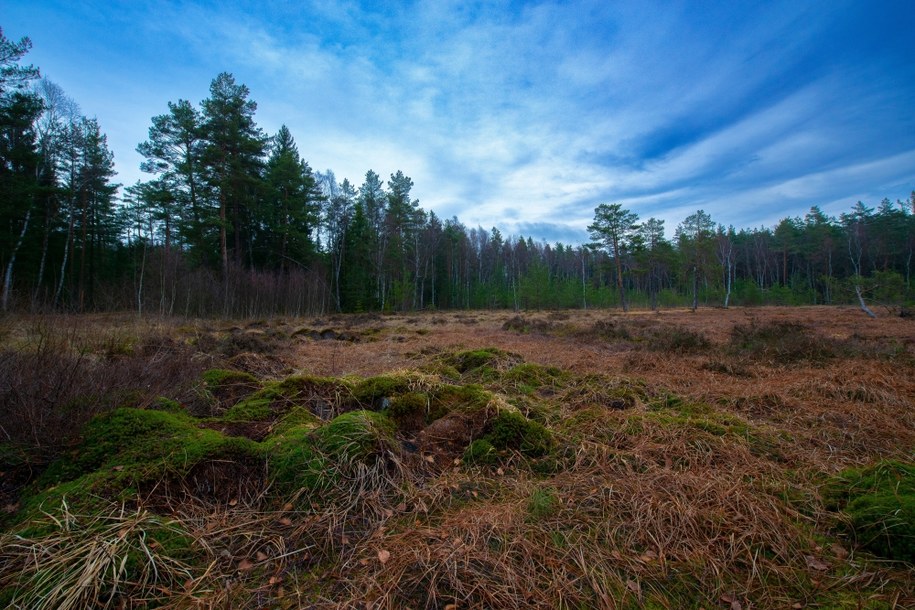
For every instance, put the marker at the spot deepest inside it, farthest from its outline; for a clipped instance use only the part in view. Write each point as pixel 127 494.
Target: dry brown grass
pixel 681 478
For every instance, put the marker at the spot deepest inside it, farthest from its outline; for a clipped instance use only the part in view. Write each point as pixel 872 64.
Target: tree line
pixel 233 221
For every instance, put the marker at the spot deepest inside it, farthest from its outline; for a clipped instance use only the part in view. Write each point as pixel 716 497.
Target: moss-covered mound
pixel 126 448
pixel 223 388
pixel 322 396
pixel 879 503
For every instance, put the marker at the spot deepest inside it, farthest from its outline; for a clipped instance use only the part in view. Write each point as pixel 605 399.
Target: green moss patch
pixel 510 430
pixel 484 364
pixel 879 503
pixel 223 388
pixel 127 447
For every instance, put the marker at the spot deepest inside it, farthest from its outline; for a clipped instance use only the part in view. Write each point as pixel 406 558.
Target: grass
pixel 671 462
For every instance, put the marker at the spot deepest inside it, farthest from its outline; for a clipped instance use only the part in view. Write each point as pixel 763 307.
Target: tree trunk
pixel 8 276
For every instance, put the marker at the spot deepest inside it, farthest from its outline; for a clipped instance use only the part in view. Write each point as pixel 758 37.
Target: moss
pixel 355 435
pixel 464 398
pixel 510 430
pixel 470 360
pixel 214 378
pixel 167 404
pixel 409 410
pixel 879 503
pixel 481 364
pixel 294 463
pixel 530 375
pixel 125 447
pixel 296 418
pixel 250 409
pixel 480 453
pixel 375 392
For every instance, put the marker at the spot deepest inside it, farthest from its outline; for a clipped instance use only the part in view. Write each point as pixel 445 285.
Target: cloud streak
pixel 527 115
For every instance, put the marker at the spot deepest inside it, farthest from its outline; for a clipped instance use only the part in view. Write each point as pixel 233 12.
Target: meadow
pixel 724 458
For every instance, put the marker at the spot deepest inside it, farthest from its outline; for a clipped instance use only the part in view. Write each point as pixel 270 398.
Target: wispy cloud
pixel 527 115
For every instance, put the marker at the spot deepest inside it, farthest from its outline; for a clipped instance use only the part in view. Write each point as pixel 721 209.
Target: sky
pixel 526 115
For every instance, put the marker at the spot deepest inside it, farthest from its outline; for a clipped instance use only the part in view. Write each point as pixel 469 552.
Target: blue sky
pixel 527 115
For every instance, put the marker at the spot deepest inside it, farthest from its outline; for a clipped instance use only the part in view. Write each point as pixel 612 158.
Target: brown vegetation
pixel 685 464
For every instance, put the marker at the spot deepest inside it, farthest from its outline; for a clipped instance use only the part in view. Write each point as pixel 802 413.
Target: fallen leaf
pixel 384 555
pixel 457 542
pixel 363 562
pixel 499 471
pixel 401 507
pixel 815 564
pixel 635 587
pixel 274 580
pixel 285 521
pixel 736 605
pixel 797 606
pixel 261 556
pixel 244 565
pixel 118 468
pixel 451 607
pixel 429 458
pixel 839 551
pixel 233 501
pixel 345 540
pixel 280 593
pixel 287 506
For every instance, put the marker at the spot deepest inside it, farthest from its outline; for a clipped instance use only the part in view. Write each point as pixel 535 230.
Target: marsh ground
pixel 571 459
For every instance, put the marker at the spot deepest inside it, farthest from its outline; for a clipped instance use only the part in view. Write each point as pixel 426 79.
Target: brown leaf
pixel 401 507
pixel 285 521
pixel 244 565
pixel 384 555
pixel 815 564
pixel 451 607
pixel 499 471
pixel 117 468
pixel 287 506
pixel 839 551
pixel 280 593
pixel 429 458
pixel 233 501
pixel 261 556
pixel 635 587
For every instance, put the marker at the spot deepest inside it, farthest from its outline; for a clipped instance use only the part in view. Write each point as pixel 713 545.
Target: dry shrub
pixel 57 379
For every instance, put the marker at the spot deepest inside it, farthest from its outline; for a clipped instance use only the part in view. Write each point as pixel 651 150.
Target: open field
pixel 741 458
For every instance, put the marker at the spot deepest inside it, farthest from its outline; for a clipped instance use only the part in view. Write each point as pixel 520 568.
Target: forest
pixel 233 221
